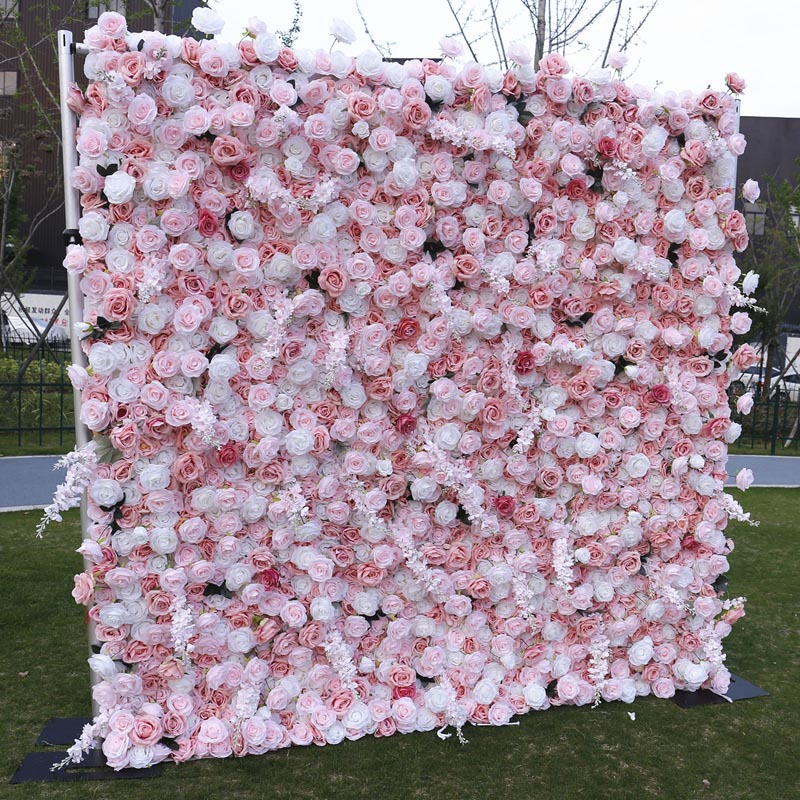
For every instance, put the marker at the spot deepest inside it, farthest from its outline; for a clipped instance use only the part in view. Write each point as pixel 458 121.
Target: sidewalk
pixel 29 481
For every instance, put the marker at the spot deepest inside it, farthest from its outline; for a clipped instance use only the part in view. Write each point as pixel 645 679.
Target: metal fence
pixel 771 426
pixel 36 412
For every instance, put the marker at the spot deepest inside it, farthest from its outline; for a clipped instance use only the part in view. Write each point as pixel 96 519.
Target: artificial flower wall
pixel 408 387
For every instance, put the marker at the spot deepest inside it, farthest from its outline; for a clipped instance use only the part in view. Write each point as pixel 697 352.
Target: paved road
pixel 29 481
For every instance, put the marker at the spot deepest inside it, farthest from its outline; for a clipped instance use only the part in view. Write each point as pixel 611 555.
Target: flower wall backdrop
pixel 408 386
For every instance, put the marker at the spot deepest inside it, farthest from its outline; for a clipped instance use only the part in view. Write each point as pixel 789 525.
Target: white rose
pixel 425 489
pixel 114 615
pixel 614 344
pixel 342 32
pixel 654 141
pixel 485 691
pixel 241 640
pixel 154 477
pixel 223 367
pixel 118 188
pixel 587 445
pixel 93 227
pixel 437 699
pixel 604 592
pixel 353 395
pixel 178 92
pixel 253 509
pixel 322 610
pixel 222 330
pixel 675 224
pixel 119 260
pixel 366 603
pixel 583 229
pixel 299 442
pixel 156 183
pixel 103 665
pixel 104 359
pixel 638 465
pixel 446 513
pixel 266 47
pixel 625 250
pixel 163 540
pixel 640 653
pixel 439 89
pixel 238 575
pixel 242 225
pixel 206 20
pixel 535 696
pixel 369 64
pixel 448 436
pixel 405 173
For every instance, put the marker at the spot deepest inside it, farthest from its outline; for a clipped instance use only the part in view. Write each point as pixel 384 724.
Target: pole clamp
pixel 72 236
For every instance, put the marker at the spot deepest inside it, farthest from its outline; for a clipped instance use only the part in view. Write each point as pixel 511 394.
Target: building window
pixel 755 215
pixel 94 10
pixel 9 10
pixel 8 82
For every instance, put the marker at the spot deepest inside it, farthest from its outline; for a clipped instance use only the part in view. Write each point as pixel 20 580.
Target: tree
pixel 774 254
pixel 556 26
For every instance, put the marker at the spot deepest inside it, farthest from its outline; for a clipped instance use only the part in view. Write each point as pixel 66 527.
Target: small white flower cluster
pixel 733 602
pixel 563 561
pixel 92 731
pixel 440 298
pixel 80 465
pixel 153 277
pixel 528 432
pixel 455 714
pixel 599 655
pixel 734 510
pixel 508 351
pixel 712 645
pixel 446 131
pixel 523 594
pixel 458 476
pixel 182 628
pixel 294 503
pixel 246 702
pixel 422 573
pixel 203 420
pixel 496 276
pixel 336 357
pixel 284 308
pixel 341 660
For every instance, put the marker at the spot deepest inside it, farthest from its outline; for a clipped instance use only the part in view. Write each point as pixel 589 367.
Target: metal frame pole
pixel 66 75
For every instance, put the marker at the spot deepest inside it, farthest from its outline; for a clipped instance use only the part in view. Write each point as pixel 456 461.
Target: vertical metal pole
pixel 66 75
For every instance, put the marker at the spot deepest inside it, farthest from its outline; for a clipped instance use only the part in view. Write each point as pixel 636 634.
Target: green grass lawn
pixel 745 751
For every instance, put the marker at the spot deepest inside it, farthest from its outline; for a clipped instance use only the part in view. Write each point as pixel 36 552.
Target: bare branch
pixel 613 30
pixel 461 30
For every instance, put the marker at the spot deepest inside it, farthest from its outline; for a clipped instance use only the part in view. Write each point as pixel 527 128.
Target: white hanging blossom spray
pixel 80 465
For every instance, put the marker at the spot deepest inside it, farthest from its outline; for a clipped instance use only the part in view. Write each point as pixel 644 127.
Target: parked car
pixel 752 380
pixel 16 329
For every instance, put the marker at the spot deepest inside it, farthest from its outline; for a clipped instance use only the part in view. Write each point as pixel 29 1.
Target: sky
pixel 685 44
